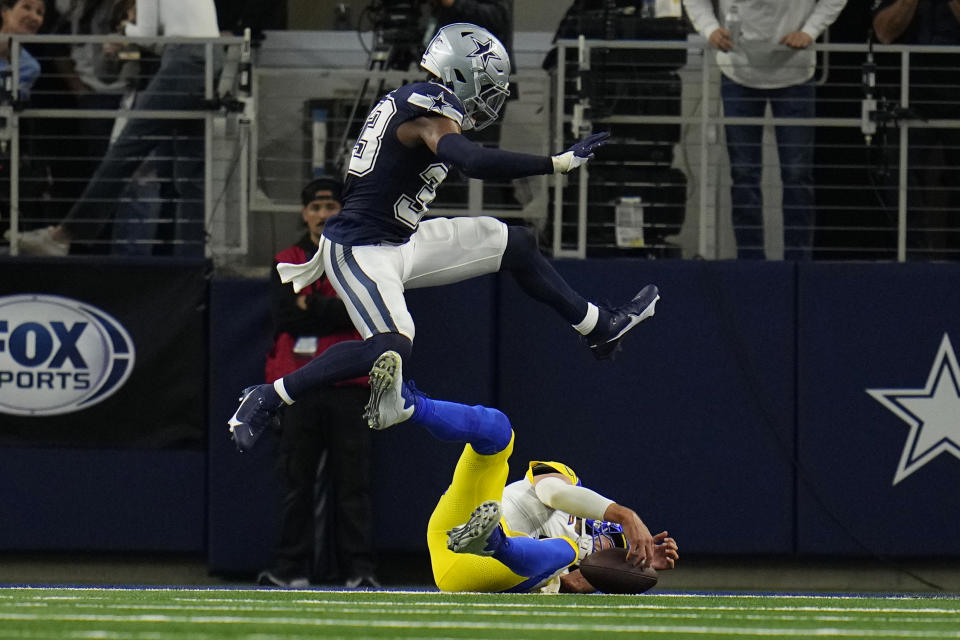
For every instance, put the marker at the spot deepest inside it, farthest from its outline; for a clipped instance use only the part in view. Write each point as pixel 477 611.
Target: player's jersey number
pixel 409 210
pixel 367 149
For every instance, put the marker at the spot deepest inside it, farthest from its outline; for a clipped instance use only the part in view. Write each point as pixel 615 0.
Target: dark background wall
pixel 739 417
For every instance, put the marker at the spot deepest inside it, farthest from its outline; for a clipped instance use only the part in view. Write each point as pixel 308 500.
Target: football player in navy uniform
pixel 525 536
pixel 377 246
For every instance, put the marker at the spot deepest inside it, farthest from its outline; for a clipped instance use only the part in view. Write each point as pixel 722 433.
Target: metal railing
pixel 308 120
pixel 871 155
pixel 42 135
pixel 661 189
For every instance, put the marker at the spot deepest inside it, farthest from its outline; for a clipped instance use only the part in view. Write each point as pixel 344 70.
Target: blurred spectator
pixel 933 198
pixel 177 85
pixel 757 71
pixel 94 76
pixel 20 17
pixel 324 434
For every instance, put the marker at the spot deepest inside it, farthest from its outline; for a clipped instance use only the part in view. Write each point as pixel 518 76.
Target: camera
pixel 398 27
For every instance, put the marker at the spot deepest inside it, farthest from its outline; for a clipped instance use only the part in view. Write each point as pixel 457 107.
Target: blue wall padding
pixel 692 424
pixel 94 500
pixel 876 326
pixel 738 418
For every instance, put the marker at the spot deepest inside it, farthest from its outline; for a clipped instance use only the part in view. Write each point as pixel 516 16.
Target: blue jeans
pixel 795 149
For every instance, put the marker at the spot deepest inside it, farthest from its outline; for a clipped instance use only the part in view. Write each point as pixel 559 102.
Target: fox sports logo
pixel 59 355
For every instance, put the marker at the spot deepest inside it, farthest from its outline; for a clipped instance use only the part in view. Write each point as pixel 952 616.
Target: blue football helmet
pixel 594 535
pixel 471 62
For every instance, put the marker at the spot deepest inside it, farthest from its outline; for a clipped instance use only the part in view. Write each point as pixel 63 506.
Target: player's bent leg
pixel 345 360
pixel 603 327
pixel 260 404
pixel 369 281
pixel 523 563
pixel 538 560
pixel 537 277
pixel 476 479
pixel 394 400
pixel 448 250
pixel 485 429
pixel 456 572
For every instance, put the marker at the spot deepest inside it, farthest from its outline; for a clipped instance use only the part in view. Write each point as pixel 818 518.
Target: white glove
pixel 579 153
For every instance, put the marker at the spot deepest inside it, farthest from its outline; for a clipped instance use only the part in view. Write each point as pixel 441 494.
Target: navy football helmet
pixel 471 62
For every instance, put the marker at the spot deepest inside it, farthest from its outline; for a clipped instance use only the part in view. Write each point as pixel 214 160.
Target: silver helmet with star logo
pixel 471 62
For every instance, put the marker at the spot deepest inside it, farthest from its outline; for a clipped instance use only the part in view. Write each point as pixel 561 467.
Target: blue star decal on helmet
pixel 439 102
pixel 484 51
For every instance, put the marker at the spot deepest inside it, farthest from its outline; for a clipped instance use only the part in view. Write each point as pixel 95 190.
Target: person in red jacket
pixel 323 436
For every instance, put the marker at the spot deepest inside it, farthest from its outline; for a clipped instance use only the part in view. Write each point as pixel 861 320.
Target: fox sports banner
pixel 102 355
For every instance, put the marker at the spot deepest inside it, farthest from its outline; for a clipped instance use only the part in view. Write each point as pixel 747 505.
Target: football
pixel 608 571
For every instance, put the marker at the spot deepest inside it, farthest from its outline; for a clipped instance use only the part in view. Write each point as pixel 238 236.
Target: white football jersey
pixel 524 513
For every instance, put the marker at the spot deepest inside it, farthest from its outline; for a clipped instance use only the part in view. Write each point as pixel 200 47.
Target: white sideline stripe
pixel 433 594
pixel 535 601
pixel 421 592
pixel 420 624
pixel 355 608
pixel 160 635
pixel 519 600
pixel 540 606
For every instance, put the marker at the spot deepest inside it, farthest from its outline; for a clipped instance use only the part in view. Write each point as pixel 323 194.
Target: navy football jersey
pixel 389 186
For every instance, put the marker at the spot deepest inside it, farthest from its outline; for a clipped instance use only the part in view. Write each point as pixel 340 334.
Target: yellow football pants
pixel 476 479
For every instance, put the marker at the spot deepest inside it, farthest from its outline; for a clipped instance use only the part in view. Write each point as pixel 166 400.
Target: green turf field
pixel 156 614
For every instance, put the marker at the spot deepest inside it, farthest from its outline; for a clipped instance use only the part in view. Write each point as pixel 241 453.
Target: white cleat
pixel 474 535
pixel 387 405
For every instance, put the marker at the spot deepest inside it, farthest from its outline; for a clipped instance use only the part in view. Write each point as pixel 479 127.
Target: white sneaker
pixel 387 405
pixel 40 242
pixel 270 579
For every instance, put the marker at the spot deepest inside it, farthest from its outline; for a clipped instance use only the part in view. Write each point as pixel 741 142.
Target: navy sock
pixel 537 277
pixel 271 397
pixel 487 430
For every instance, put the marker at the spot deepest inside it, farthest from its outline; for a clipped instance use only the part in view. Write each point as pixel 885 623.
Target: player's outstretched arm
pixel 443 137
pixel 665 556
pixel 641 550
pixel 579 153
pixel 556 491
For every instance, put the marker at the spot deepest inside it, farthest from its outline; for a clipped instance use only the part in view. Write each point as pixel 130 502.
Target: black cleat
pixel 255 413
pixel 604 345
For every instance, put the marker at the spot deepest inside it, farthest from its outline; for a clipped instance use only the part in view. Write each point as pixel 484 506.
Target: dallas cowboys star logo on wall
pixel 484 51
pixel 933 413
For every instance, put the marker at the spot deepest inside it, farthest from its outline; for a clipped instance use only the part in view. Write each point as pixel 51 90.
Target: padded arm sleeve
pixel 577 501
pixel 490 164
